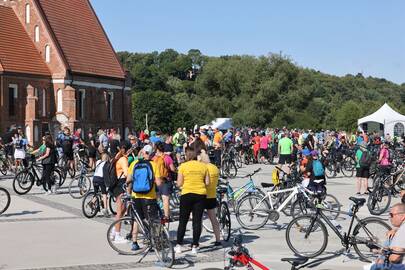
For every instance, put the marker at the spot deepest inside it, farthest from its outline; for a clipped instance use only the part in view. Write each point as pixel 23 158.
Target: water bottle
pixel 350 211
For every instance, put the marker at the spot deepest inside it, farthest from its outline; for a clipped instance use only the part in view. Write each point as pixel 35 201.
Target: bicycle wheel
pixel 330 202
pixel 232 170
pixel 252 212
pixel 307 236
pixel 239 162
pixel 79 187
pixel 127 232
pixel 3 167
pixel 348 166
pixel 113 205
pixel 301 207
pixel 206 223
pixel 330 171
pixel 90 205
pixel 56 179
pixel 225 221
pixel 379 200
pixel 368 233
pixel 23 182
pixel 62 176
pixel 4 200
pixel 162 245
pixel 71 171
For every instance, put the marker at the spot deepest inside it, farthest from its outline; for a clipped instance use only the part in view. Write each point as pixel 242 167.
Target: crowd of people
pixel 148 165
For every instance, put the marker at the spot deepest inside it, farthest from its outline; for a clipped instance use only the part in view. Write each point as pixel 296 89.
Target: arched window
pixel 47 53
pixel 27 13
pixel 399 129
pixel 59 100
pixel 36 33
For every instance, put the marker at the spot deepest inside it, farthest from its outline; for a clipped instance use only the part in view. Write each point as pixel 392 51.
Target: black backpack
pixel 365 160
pixel 109 175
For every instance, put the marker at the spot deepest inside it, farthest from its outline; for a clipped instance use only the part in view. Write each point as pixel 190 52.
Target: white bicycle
pixel 253 211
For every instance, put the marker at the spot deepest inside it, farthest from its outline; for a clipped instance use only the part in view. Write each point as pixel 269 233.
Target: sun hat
pixel 148 149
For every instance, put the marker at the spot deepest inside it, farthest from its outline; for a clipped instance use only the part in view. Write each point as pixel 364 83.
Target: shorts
pixel 92 152
pixel 210 203
pixel 363 172
pixel 98 182
pixel 264 153
pixel 118 190
pixel 69 155
pixel 179 149
pixel 285 159
pixel 143 207
pixel 166 188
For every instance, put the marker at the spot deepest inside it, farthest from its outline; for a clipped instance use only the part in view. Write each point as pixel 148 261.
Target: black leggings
pixel 191 202
pixel 46 176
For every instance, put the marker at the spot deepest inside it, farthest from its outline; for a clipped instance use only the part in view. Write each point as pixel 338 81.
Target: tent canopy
pixel 383 115
pixel 220 123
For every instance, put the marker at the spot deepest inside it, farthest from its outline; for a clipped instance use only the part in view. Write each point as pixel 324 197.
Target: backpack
pixel 161 166
pixel 142 177
pixel 109 175
pixel 67 144
pixel 181 139
pixel 318 169
pixel 365 160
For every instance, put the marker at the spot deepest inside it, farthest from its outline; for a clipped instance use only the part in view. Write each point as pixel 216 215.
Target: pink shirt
pixel 168 161
pixel 384 155
pixel 264 142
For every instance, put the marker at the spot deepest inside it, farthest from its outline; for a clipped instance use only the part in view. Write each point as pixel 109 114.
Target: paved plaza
pixel 50 232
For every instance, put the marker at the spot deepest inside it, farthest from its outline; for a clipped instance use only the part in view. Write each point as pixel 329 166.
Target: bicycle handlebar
pixel 254 172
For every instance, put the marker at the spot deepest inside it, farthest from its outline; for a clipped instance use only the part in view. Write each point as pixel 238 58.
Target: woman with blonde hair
pixel 211 200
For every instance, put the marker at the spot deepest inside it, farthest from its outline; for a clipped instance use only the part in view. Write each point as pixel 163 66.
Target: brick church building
pixel 58 68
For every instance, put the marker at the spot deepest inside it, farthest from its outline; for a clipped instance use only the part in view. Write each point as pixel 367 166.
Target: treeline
pixel 177 89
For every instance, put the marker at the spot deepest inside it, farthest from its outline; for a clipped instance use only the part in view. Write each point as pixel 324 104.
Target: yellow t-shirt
pixel 194 173
pixel 152 194
pixel 213 172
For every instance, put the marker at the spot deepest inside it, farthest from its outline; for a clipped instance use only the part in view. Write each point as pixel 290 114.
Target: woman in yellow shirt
pixel 211 200
pixel 193 178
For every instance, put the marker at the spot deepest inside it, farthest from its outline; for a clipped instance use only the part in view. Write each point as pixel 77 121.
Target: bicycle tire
pixel 300 207
pixel 377 237
pixel 348 167
pixel 3 168
pixel 127 224
pixel 57 179
pixel 77 191
pixel 112 204
pixel 162 246
pixel 62 178
pixel 225 224
pixel 23 180
pixel 330 171
pixel 71 171
pixel 376 203
pixel 302 224
pixel 90 208
pixel 5 200
pixel 251 201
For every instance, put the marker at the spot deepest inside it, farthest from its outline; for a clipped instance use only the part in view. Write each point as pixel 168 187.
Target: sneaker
pixel 217 244
pixel 106 213
pixel 48 192
pixel 194 250
pixel 177 249
pixel 112 233
pixel 119 239
pixel 135 246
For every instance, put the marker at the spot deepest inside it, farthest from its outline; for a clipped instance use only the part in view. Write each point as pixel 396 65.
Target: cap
pixel 148 149
pixel 314 153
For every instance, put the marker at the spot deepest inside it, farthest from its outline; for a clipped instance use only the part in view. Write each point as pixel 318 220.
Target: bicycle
pixel 228 166
pixel 152 235
pixel 311 230
pixel 5 200
pixel 81 184
pixel 239 256
pixel 93 203
pixel 65 168
pixel 223 216
pixel 5 165
pixel 25 180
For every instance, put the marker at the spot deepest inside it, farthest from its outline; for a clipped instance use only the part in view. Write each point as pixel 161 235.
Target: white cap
pixel 148 149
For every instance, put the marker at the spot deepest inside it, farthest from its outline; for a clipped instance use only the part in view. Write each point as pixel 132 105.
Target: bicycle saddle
pixel 295 261
pixel 358 201
pixel 267 185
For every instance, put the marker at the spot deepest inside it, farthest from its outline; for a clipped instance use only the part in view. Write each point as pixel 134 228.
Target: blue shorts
pixel 179 149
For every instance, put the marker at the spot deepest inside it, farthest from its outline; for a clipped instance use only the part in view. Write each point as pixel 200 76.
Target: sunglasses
pixel 393 215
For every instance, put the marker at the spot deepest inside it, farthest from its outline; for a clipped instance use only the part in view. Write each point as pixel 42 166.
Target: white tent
pixel 220 123
pixel 385 119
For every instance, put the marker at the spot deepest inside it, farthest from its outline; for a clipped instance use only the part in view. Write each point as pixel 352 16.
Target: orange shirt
pixel 121 168
pixel 217 138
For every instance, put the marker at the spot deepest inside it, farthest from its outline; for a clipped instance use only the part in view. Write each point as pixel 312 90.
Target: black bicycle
pixel 93 203
pixel 4 200
pixel 25 180
pixel 307 235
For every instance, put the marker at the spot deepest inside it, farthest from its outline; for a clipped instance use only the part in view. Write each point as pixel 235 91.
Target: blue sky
pixel 336 37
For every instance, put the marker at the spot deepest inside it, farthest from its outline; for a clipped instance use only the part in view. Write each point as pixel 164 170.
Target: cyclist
pixel 98 182
pixel 20 145
pixel 179 139
pixel 285 149
pixel 66 141
pixel 48 160
pixel 142 200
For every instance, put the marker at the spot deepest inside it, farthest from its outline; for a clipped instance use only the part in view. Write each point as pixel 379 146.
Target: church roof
pixel 17 52
pixel 81 37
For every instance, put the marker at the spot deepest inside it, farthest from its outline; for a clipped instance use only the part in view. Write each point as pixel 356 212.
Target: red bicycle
pixel 239 256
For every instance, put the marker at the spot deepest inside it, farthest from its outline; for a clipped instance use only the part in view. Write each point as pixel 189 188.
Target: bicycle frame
pixel 247 260
pixel 235 195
